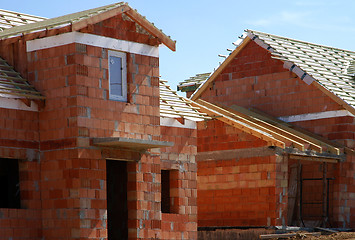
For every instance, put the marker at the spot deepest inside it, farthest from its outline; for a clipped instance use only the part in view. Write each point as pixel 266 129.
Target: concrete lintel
pixel 92 40
pixel 130 143
pixel 314 156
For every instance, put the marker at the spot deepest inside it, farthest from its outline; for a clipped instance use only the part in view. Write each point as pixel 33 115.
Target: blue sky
pixel 204 29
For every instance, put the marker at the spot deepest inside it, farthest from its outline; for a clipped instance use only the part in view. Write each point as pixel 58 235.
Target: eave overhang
pixel 83 19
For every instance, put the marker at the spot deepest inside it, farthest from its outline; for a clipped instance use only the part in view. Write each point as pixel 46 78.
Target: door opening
pixel 117 211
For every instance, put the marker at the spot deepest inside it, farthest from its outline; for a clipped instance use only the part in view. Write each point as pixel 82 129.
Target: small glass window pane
pixel 116 75
pixel 116 89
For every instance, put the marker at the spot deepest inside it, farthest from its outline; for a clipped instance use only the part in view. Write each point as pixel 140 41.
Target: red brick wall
pixel 241 191
pixel 19 140
pixel 72 180
pixel 255 80
pixel 182 222
pixel 74 78
pixel 121 27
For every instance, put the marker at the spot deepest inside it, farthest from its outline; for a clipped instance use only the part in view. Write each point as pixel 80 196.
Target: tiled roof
pixel 193 82
pixel 174 106
pixel 58 21
pixel 330 67
pixel 9 19
pixel 82 19
pixel 13 85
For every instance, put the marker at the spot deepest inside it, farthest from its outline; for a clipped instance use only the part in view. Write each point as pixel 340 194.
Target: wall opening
pixel 117 211
pixel 170 183
pixel 165 191
pixel 9 183
pixel 310 198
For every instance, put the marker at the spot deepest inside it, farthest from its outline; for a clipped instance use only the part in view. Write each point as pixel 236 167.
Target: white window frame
pixel 121 55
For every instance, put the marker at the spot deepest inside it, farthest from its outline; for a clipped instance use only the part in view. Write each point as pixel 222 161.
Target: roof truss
pixel 239 123
pixel 272 131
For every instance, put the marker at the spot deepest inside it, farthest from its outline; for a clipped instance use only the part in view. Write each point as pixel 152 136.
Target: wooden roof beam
pixel 276 135
pixel 148 26
pixel 239 125
pixel 294 129
pixel 291 135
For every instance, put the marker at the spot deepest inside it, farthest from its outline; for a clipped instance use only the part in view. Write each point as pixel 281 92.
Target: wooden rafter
pixel 332 148
pixel 276 134
pixel 261 126
pixel 289 133
pixel 240 125
pixel 148 26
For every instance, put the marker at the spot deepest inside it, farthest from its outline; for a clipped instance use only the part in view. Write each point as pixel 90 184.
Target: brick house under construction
pixel 280 149
pixel 88 147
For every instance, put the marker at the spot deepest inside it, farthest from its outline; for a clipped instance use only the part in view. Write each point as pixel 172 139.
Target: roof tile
pixel 9 19
pixel 174 106
pixel 13 85
pixel 327 65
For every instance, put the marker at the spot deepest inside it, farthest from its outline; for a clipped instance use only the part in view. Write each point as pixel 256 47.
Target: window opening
pixel 9 183
pixel 117 76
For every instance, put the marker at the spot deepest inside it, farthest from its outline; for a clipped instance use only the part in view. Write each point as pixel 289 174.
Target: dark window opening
pixel 9 183
pixel 165 191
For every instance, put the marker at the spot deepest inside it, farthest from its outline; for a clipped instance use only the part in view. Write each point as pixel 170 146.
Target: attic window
pixel 350 68
pixel 117 76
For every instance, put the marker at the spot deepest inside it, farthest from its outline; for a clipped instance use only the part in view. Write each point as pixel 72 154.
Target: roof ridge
pixel 300 41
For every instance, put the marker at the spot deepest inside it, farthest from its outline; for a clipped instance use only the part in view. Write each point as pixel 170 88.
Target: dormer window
pixel 117 76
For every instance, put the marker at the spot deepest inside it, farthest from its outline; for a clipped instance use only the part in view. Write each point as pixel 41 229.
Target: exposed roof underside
pixel 82 19
pixel 13 85
pixel 174 106
pixel 274 131
pixel 9 19
pixel 330 69
pixel 193 82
